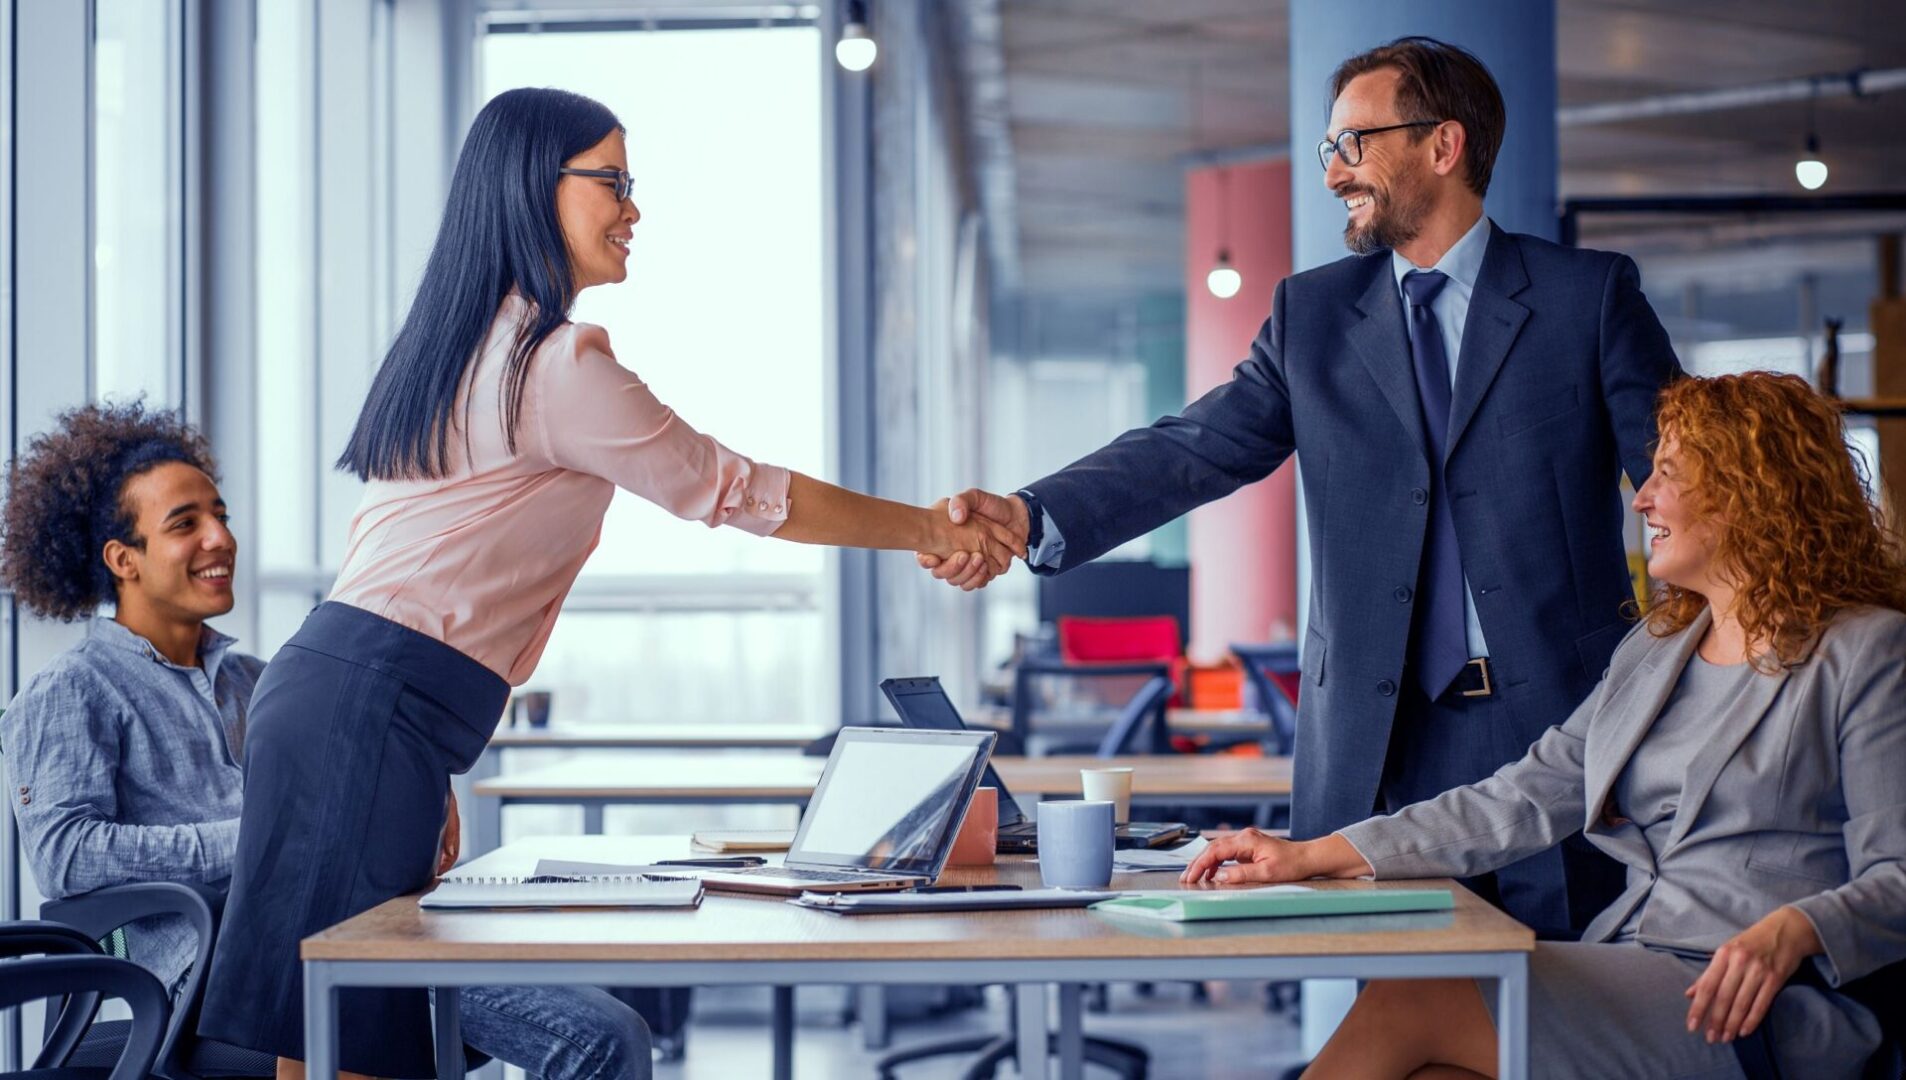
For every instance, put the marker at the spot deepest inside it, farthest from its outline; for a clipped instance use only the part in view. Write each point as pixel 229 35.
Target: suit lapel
pixel 1742 716
pixel 1633 714
pixel 1383 342
pixel 1489 331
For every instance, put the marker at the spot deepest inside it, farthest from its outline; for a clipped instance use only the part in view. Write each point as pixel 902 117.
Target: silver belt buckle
pixel 1481 663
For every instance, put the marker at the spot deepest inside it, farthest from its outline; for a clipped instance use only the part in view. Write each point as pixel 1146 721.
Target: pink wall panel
pixel 1243 548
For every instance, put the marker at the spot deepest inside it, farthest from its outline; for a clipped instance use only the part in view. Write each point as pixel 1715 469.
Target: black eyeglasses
pixel 1349 142
pixel 623 181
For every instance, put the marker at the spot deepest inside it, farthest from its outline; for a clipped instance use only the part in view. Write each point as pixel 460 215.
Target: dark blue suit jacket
pixel 1555 387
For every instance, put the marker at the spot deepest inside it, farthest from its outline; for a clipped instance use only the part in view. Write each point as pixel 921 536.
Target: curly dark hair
pixel 1767 462
pixel 66 500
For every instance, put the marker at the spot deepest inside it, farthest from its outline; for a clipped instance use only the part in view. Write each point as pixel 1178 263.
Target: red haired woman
pixel 1743 757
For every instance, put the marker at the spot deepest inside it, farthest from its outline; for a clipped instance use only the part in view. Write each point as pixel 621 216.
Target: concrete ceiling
pixel 1103 101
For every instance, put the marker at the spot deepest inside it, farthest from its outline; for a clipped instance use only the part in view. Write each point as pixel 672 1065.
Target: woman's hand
pixel 451 842
pixel 1733 995
pixel 1264 858
pixel 976 551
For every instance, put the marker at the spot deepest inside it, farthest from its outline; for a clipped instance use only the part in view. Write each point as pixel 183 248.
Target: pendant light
pixel 856 48
pixel 1224 281
pixel 1810 170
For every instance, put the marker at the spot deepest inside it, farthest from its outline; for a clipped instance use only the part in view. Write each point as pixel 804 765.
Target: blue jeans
pixel 557 1032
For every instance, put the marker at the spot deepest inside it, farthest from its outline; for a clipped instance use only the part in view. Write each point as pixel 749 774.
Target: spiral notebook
pixel 546 891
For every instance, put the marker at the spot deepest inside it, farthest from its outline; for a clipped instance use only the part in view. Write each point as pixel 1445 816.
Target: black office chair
pixel 66 967
pixel 1032 672
pixel 183 1055
pixel 1883 991
pixel 1260 663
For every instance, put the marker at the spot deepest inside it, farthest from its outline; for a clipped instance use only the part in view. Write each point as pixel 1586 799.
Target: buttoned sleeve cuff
pixel 757 501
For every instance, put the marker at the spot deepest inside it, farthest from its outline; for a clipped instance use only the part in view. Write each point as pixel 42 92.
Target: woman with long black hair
pixel 492 440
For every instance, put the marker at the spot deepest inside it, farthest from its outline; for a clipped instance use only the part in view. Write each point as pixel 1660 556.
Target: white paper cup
pixel 1111 785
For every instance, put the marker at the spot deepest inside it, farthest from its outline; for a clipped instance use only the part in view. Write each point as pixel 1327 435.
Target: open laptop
pixel 884 815
pixel 923 705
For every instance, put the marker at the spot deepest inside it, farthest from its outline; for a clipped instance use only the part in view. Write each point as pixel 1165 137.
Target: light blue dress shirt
pixel 1461 263
pixel 123 766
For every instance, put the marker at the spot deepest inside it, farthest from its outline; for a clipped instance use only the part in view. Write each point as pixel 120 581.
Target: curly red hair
pixel 1766 461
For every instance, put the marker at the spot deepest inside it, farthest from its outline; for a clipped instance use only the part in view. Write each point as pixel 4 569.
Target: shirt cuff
pixel 761 504
pixel 221 848
pixel 1052 544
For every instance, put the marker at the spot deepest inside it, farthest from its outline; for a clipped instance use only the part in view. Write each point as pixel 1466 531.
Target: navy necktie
pixel 1439 647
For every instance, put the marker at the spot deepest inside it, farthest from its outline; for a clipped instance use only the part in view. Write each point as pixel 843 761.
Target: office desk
pixel 1239 724
pixel 734 778
pixel 739 940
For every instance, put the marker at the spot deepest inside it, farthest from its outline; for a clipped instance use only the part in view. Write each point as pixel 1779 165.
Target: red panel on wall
pixel 1243 548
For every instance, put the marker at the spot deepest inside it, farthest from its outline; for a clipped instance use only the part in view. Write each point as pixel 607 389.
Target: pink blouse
pixel 482 557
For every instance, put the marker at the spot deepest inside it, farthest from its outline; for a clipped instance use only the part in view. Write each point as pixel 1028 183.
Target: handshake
pixel 977 539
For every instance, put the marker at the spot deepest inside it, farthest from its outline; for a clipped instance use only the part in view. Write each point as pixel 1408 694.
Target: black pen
pixel 963 888
pixel 727 863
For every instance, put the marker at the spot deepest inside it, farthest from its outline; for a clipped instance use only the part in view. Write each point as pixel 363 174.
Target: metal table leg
pixel 320 1023
pixel 783 1025
pixel 1512 1020
pixel 870 1003
pixel 592 818
pixel 1071 1034
pixel 449 1033
pixel 1030 1004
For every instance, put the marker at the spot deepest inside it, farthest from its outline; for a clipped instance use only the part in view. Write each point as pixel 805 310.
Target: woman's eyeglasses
pixel 623 181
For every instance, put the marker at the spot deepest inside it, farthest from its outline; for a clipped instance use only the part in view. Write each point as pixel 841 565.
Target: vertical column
pixel 1516 39
pixel 1243 548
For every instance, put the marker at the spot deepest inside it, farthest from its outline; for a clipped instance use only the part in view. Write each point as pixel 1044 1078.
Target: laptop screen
pixel 891 799
pixel 922 703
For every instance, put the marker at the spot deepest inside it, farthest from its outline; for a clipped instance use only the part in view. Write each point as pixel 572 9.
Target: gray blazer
pixel 1799 799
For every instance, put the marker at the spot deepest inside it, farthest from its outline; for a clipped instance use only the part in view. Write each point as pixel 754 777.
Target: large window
pixel 138 201
pixel 723 315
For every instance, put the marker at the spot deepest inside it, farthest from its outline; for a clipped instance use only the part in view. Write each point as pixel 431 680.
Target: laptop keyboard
pixel 798 875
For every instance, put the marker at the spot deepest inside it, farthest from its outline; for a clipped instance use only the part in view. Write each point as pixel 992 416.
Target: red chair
pixel 1146 638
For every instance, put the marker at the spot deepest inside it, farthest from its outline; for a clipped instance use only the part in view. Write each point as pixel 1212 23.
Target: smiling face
pixel 596 225
pixel 1390 193
pixel 1680 544
pixel 181 568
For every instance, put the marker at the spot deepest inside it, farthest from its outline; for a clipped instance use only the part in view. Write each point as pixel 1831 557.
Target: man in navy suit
pixel 1463 400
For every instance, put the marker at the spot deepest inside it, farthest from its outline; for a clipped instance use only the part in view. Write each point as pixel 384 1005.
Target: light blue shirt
pixel 123 766
pixel 1462 263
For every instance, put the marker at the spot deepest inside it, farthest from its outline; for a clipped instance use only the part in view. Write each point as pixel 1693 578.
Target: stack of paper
pixel 609 890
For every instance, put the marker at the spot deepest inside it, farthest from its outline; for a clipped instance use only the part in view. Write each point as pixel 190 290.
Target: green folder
pixel 1278 901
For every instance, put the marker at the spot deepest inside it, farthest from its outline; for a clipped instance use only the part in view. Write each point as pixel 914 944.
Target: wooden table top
pixel 645 736
pixel 790 776
pixel 729 927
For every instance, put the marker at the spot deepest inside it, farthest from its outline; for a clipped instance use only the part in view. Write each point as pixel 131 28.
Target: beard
pixel 1396 215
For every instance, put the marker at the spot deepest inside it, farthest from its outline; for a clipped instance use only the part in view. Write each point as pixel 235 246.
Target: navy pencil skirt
pixel 355 729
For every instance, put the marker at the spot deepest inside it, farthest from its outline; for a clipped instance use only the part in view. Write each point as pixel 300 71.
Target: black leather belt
pixel 1477 680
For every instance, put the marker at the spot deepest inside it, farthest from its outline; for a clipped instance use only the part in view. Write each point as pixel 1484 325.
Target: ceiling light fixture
pixel 856 48
pixel 1810 170
pixel 1224 281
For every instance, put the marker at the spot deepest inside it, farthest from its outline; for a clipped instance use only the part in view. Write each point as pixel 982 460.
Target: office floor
pixel 1230 1038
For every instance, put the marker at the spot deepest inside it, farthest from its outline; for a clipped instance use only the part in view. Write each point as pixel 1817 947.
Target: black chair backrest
pixel 66 1025
pixel 102 911
pixel 68 976
pixel 1147 704
pixel 1115 590
pixel 1260 662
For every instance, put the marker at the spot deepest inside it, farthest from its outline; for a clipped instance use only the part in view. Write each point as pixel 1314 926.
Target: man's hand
pixel 451 842
pixel 1733 995
pixel 969 572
